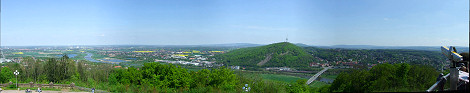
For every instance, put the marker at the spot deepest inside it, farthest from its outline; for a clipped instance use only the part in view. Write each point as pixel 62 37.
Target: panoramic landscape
pixel 265 46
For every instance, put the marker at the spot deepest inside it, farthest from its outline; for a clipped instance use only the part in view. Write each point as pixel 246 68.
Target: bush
pixel 168 77
pixel 12 86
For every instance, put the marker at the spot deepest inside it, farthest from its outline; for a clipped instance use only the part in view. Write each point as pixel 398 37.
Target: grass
pixel 97 56
pixel 287 78
pixel 276 77
pixel 31 53
pixel 80 56
pixel 329 76
pixel 193 69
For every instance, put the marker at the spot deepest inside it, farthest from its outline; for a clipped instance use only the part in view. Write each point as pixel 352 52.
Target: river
pixel 327 80
pixel 114 61
pixel 69 55
pixel 88 57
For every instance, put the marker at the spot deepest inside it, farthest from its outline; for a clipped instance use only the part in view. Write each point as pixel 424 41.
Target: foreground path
pixel 317 75
pixel 23 91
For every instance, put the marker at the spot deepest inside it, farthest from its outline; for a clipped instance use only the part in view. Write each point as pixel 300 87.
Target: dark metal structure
pixel 458 79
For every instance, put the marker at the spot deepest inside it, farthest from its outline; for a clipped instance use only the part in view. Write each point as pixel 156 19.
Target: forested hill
pixel 377 56
pixel 290 55
pixel 273 55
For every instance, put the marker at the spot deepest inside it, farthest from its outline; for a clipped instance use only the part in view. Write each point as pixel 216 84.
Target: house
pixel 117 67
pixel 235 67
pixel 313 64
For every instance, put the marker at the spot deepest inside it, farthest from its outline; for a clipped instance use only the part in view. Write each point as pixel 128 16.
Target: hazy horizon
pixel 218 44
pixel 186 22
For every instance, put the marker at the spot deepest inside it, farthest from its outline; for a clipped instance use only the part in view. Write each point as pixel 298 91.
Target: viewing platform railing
pixel 52 85
pixel 439 84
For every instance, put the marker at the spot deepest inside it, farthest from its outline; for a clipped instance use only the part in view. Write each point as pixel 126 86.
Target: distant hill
pixel 427 48
pixel 302 45
pixel 273 55
pixel 233 45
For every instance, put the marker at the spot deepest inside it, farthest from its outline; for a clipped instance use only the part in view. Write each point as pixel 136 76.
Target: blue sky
pixel 190 22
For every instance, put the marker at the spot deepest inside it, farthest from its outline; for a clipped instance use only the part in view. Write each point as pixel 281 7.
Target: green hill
pixel 273 55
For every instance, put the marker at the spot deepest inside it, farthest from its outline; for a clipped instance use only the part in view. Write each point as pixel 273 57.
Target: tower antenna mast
pixel 287 37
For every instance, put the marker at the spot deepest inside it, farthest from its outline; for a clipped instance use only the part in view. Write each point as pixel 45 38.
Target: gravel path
pixel 268 57
pixel 23 91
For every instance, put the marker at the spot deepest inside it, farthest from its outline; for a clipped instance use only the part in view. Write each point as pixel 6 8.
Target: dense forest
pixel 273 55
pixel 376 56
pixel 53 70
pixel 152 77
pixel 386 77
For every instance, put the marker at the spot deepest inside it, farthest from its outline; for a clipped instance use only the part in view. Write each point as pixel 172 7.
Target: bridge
pixel 314 77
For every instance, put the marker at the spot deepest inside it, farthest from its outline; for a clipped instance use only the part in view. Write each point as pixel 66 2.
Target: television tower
pixel 287 37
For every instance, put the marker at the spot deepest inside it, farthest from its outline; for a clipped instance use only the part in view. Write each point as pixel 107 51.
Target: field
pixel 284 78
pixel 291 79
pixel 329 76
pixel 98 56
pixel 143 51
pixel 317 84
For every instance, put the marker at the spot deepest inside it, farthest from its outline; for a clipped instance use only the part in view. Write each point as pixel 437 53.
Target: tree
pixel 223 77
pixel 386 77
pixel 402 74
pixel 340 83
pixel 81 72
pixel 38 70
pixel 5 75
pixel 201 78
pixel 298 87
pixel 383 76
pixel 422 76
pixel 66 68
pixel 28 63
pixel 52 70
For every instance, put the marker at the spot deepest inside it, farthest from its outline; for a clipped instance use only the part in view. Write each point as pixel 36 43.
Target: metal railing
pixel 31 84
pixel 453 76
pixel 52 85
pixel 89 89
pixel 441 80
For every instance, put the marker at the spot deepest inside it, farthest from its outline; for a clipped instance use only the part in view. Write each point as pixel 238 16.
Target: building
pixel 235 67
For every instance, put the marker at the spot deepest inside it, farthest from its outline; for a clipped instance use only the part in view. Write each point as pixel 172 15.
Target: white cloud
pixel 386 19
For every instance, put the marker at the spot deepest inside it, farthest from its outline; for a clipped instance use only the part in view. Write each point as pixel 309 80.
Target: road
pixel 313 78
